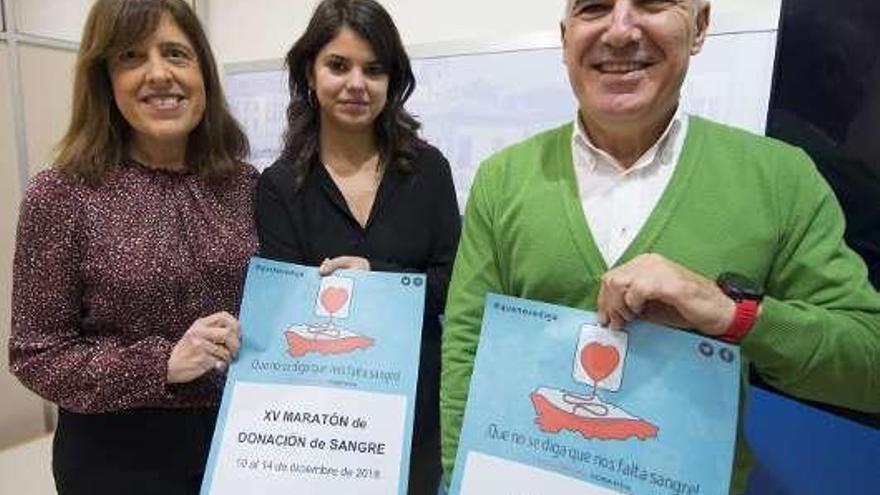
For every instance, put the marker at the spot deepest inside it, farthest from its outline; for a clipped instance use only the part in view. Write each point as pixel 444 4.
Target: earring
pixel 311 98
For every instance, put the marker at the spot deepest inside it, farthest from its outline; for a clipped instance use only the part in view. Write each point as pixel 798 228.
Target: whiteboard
pixel 473 104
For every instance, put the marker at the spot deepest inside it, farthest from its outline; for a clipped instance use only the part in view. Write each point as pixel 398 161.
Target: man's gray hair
pixel 570 3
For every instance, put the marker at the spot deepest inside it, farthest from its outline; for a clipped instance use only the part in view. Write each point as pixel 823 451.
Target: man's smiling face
pixel 627 59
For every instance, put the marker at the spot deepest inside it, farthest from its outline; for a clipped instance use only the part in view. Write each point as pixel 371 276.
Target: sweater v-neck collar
pixel 662 212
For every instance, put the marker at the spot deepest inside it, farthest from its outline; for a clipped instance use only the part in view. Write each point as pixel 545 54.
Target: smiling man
pixel 637 210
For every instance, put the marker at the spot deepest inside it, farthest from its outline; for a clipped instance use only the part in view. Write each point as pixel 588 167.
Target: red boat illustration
pixel 326 340
pixel 559 410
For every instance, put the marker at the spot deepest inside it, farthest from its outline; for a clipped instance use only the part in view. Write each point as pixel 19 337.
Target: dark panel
pixel 826 99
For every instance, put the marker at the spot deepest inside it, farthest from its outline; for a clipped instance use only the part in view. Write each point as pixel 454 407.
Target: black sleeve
pixel 445 223
pixel 278 238
pixel 445 233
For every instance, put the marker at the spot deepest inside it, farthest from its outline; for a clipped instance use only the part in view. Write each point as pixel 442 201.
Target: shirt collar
pixel 588 155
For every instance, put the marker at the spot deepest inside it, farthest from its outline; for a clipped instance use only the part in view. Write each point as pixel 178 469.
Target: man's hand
pixel 653 288
pixel 209 343
pixel 328 266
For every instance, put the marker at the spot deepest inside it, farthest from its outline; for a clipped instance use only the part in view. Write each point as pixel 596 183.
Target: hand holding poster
pixel 320 399
pixel 559 404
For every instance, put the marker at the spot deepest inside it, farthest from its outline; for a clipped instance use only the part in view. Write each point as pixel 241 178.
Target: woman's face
pixel 350 84
pixel 158 88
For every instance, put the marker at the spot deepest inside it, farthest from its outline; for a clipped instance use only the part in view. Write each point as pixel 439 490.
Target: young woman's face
pixel 351 86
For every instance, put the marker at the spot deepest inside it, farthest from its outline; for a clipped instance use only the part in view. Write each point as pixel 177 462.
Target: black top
pixel 413 226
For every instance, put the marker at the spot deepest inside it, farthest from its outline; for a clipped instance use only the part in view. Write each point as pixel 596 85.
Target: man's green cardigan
pixel 736 202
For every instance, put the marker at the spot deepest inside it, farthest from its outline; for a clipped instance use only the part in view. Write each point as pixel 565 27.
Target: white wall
pixel 37 82
pixel 47 86
pixel 60 19
pixel 21 415
pixel 265 29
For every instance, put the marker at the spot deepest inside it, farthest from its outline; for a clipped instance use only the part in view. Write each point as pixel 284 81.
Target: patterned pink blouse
pixel 106 280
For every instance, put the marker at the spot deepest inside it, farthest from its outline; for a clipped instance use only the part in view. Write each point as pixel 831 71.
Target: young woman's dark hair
pixel 97 136
pixel 395 128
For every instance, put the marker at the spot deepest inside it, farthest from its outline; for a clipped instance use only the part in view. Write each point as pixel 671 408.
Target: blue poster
pixel 561 405
pixel 321 397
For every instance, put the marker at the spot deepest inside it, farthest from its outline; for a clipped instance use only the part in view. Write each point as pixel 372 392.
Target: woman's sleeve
pixel 445 229
pixel 446 232
pixel 47 350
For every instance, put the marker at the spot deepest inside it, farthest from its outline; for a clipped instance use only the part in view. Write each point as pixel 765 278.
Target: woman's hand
pixel 210 343
pixel 330 265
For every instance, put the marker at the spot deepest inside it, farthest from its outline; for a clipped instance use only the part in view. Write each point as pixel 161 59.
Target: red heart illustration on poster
pixel 333 299
pixel 599 360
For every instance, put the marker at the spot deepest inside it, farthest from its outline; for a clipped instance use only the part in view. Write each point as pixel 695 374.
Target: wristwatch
pixel 747 295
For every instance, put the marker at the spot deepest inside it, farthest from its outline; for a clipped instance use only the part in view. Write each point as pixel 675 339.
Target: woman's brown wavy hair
pixel 96 139
pixel 395 129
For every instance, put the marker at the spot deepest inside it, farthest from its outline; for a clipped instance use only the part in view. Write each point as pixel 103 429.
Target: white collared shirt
pixel 618 201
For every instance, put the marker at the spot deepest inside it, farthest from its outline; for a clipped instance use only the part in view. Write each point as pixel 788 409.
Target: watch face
pixel 739 287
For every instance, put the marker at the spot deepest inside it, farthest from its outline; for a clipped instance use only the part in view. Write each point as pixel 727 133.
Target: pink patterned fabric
pixel 107 279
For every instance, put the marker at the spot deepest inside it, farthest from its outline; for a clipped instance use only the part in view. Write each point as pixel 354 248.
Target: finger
pixel 219 352
pixel 220 319
pixel 340 263
pixel 616 321
pixel 233 343
pixel 230 339
pixel 619 315
pixel 626 309
pixel 210 338
pixel 601 312
pixel 235 338
pixel 613 317
pixel 231 336
pixel 213 334
pixel 327 267
pixel 618 312
pixel 634 300
pixel 354 263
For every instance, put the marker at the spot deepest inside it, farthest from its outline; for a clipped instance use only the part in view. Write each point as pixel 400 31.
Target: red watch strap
pixel 743 320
